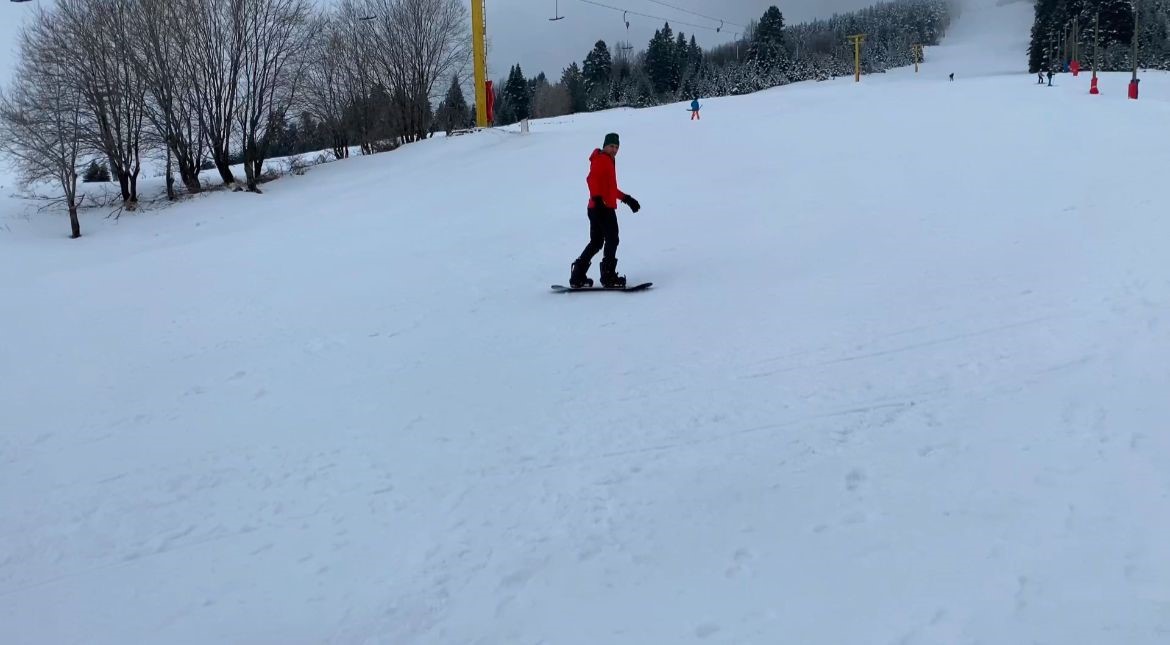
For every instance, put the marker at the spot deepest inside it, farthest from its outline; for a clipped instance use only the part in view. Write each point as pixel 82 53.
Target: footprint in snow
pixel 706 630
pixel 854 479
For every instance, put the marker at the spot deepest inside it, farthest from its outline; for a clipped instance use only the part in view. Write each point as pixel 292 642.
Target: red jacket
pixel 602 179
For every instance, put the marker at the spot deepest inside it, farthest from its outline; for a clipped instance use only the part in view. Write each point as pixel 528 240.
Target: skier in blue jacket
pixel 695 109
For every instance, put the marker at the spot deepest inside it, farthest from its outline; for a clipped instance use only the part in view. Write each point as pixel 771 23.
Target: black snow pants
pixel 603 233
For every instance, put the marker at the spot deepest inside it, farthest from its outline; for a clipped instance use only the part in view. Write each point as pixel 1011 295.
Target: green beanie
pixel 611 138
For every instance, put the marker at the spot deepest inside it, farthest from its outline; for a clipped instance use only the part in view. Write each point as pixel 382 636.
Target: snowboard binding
pixel 577 277
pixel 609 276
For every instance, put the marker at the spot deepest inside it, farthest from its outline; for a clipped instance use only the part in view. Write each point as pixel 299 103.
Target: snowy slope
pixel 902 379
pixel 990 38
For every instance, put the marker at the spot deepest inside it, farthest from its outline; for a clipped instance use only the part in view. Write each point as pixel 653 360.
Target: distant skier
pixel 604 196
pixel 695 109
pixel 952 77
pixel 1040 78
pixel 1050 78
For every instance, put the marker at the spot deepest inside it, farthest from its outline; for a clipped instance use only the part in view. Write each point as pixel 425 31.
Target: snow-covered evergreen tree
pixel 598 72
pixel 767 44
pixel 661 63
pixel 574 83
pixel 517 95
pixel 453 112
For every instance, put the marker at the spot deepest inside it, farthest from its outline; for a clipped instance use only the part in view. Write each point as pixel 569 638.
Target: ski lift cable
pixel 721 21
pixel 646 15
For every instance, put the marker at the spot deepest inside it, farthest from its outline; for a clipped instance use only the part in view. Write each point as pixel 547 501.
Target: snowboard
pixel 637 287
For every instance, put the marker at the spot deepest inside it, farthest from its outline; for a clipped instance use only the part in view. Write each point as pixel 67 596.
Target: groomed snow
pixel 902 378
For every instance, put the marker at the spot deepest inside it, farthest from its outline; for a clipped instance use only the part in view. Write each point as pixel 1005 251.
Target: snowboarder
pixel 695 109
pixel 604 196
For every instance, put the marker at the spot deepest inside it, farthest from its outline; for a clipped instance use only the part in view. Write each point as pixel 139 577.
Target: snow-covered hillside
pixel 902 378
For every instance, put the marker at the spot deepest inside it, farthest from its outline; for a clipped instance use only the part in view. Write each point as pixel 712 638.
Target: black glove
pixel 598 202
pixel 629 200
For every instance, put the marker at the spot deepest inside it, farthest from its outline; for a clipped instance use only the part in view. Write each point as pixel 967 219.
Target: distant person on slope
pixel 695 109
pixel 604 196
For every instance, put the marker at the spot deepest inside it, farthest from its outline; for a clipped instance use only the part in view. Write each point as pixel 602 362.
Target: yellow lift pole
pixel 857 39
pixel 479 51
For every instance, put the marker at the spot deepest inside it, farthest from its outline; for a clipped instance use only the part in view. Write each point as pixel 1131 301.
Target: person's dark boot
pixel 609 277
pixel 577 277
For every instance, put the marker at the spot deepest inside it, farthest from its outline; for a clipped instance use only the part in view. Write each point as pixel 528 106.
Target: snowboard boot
pixel 577 277
pixel 609 277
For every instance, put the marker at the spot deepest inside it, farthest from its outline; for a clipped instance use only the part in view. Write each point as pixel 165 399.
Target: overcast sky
pixel 10 18
pixel 520 32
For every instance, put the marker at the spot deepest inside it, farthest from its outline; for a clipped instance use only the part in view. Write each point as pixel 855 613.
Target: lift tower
pixel 479 52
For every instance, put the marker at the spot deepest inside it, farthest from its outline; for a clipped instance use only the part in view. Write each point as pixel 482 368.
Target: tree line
pixel 673 67
pixel 213 84
pixel 1064 27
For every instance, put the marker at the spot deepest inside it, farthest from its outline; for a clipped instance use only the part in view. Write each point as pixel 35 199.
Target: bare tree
pixel 415 45
pixel 434 35
pixel 551 100
pixel 41 116
pixel 329 88
pixel 212 43
pixel 192 77
pixel 160 62
pixel 274 62
pixel 369 101
pixel 95 37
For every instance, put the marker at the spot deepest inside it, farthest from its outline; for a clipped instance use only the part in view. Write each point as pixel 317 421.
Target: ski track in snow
pixel 904 383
